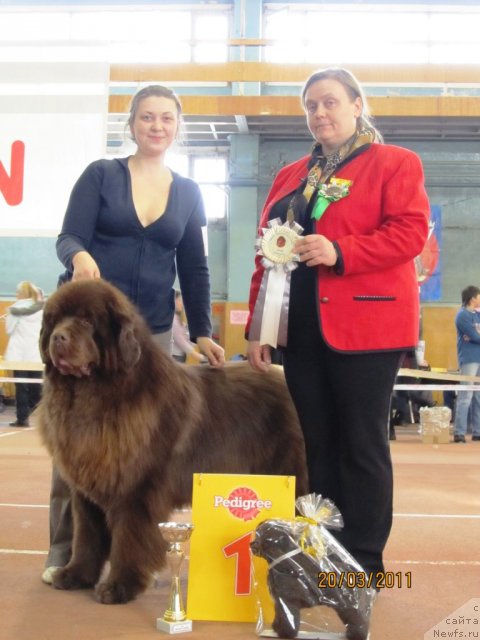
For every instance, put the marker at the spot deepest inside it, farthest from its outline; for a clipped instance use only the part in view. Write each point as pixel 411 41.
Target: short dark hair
pixel 469 293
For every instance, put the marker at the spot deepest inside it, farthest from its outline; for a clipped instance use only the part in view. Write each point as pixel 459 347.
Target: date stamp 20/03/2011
pixel 353 579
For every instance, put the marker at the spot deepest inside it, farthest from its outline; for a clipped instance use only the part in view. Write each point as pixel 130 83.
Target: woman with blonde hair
pixel 23 323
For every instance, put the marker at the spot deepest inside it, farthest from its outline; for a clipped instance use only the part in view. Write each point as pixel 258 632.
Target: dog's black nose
pixel 59 338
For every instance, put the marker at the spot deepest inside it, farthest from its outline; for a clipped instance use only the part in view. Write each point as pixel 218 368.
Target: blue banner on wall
pixel 429 262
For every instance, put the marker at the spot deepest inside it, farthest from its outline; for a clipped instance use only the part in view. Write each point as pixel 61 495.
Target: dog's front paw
pixel 115 593
pixel 47 575
pixel 70 579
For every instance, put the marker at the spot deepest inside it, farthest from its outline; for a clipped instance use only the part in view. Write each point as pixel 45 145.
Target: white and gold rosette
pixel 270 316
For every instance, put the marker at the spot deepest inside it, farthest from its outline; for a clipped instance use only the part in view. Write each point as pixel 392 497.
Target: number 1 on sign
pixel 243 570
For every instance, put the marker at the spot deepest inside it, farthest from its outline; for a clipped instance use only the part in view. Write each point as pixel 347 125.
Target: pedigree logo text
pixel 242 503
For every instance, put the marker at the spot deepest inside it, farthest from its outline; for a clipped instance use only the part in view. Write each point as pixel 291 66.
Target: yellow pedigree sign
pixel 225 511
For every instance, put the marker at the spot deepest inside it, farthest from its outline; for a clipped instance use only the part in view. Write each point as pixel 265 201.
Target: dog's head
pixel 272 539
pixel 90 326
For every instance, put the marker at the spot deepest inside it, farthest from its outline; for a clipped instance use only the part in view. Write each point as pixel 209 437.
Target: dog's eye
pixel 85 323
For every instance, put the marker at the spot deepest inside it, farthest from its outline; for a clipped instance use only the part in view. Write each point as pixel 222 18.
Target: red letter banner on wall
pixel 11 186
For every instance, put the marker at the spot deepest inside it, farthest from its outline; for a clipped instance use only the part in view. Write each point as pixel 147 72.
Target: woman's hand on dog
pixel 259 356
pixel 213 351
pixel 84 267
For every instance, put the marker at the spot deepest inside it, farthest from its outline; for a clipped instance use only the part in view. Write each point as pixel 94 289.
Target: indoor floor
pixel 435 539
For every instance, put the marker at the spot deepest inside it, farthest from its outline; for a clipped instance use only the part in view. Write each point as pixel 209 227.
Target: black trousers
pixel 343 401
pixel 27 396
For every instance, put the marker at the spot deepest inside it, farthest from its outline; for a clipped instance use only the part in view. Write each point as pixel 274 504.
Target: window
pixel 211 34
pixel 211 174
pixel 372 34
pixel 46 26
pixel 116 35
pixel 178 162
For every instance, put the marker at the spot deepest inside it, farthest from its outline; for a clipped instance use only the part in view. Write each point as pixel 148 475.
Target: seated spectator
pixel 405 405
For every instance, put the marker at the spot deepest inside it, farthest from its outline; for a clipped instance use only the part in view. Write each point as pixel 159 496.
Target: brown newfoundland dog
pixel 127 427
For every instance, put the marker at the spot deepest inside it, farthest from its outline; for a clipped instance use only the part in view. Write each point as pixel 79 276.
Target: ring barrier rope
pixel 458 378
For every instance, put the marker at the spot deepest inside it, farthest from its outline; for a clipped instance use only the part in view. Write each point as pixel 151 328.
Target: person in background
pixel 405 405
pixel 364 212
pixel 23 324
pixel 182 347
pixel 467 322
pixel 137 224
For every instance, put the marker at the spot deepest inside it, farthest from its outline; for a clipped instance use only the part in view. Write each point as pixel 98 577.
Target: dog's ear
pixel 128 346
pixel 123 321
pixel 44 339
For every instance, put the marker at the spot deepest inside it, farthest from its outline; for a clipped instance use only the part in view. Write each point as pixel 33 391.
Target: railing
pixel 10 365
pixel 457 378
pixel 446 377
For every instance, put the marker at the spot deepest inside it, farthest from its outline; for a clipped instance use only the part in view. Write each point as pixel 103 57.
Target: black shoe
pixel 459 438
pixel 19 423
pixel 475 438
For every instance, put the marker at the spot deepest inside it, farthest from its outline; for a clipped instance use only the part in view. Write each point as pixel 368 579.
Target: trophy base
pixel 174 627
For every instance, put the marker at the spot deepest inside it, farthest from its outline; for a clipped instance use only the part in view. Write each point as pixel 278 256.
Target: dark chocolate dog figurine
pixel 293 581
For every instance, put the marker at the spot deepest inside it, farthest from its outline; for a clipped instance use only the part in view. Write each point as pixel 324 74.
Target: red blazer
pixel 380 227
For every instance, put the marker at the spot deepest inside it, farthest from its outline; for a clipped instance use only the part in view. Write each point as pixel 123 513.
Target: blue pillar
pixel 247 24
pixel 243 169
pixel 242 221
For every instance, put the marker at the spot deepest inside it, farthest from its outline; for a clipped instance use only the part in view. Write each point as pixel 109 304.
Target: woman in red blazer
pixel 353 303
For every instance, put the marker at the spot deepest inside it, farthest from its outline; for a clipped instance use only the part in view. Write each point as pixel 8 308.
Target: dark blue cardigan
pixel 141 261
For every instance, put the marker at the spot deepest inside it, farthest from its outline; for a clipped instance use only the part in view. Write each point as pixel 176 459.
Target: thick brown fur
pixel 127 427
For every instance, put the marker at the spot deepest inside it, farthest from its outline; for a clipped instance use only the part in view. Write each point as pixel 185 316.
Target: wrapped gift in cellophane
pixel 318 589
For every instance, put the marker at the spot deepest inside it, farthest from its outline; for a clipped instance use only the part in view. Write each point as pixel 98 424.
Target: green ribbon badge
pixel 335 190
